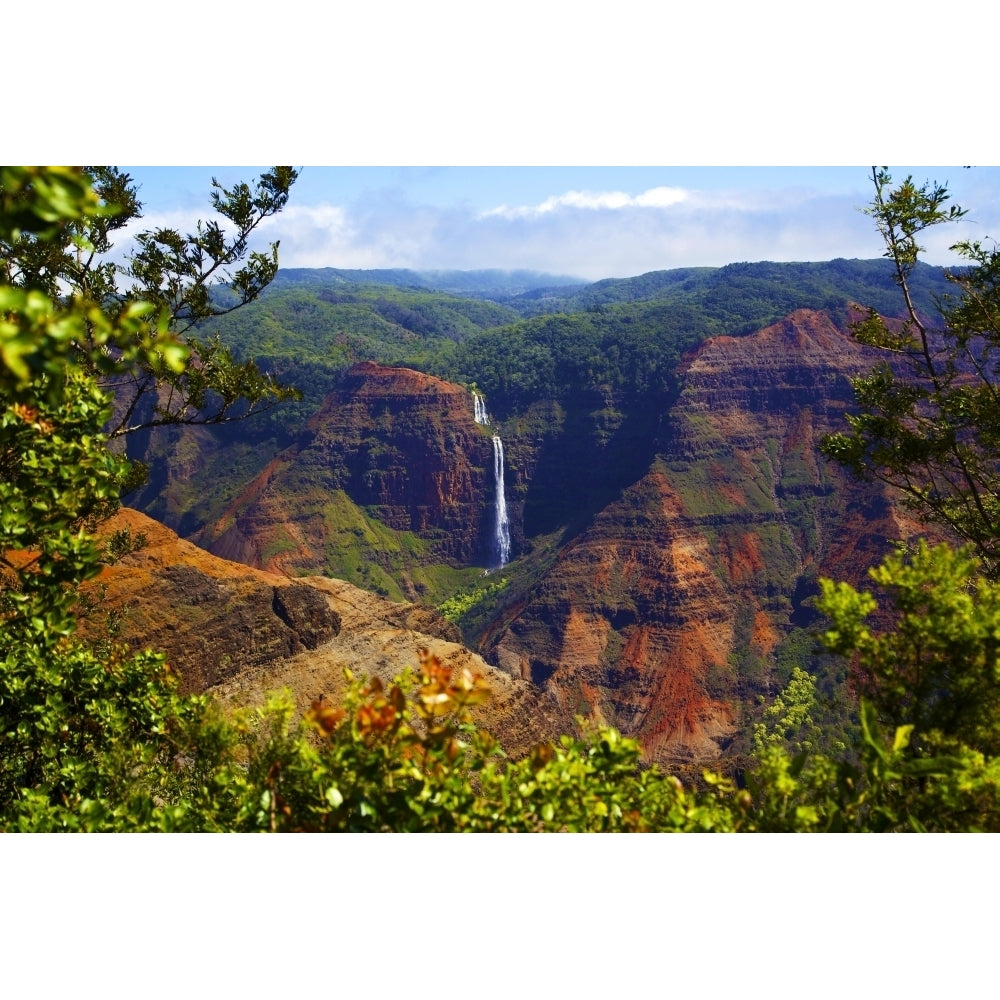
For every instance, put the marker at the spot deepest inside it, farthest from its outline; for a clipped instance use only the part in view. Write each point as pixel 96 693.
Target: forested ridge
pixel 619 333
pixel 96 737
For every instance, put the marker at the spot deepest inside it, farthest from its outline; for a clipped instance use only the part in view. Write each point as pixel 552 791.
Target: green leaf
pixel 902 738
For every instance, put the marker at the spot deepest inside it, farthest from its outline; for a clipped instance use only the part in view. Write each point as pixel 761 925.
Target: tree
pixel 929 420
pixel 185 279
pixel 937 668
pixel 929 425
pixel 86 741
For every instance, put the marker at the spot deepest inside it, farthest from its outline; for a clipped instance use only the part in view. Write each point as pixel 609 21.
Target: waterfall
pixel 501 523
pixel 501 534
pixel 479 402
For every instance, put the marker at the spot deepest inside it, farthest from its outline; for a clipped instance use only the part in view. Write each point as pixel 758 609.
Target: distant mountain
pixel 813 284
pixel 782 285
pixel 487 284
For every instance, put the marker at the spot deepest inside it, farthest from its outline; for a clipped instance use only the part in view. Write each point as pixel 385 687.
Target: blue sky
pixel 587 222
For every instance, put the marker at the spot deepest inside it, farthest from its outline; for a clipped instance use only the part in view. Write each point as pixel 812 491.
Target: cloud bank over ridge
pixel 589 234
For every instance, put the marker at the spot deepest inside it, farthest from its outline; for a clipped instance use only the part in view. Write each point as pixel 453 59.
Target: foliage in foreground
pixel 58 229
pixel 407 757
pixel 131 754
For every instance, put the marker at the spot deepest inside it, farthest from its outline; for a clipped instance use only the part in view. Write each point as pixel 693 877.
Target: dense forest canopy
pixel 624 333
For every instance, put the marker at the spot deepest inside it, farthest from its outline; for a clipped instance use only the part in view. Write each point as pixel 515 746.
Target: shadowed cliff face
pixel 647 617
pixel 391 447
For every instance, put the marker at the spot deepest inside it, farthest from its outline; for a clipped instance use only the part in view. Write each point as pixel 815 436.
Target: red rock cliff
pixel 400 444
pixel 647 617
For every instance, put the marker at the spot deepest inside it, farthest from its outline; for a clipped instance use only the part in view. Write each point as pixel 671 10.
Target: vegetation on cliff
pixel 583 394
pixel 624 335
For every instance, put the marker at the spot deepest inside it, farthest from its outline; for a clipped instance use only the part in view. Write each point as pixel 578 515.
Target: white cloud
pixel 314 236
pixel 182 221
pixel 309 234
pixel 661 197
pixel 323 216
pixel 590 235
pixel 658 197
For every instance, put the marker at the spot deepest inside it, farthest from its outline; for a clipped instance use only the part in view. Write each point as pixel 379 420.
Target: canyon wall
pixel 659 618
pixel 391 448
pixel 241 633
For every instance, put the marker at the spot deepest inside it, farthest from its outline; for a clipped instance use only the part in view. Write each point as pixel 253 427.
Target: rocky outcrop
pixel 212 618
pixel 240 633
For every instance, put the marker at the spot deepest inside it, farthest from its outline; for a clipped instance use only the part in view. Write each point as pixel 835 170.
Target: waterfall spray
pixel 479 402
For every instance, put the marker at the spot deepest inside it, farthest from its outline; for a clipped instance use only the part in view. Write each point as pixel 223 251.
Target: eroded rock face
pixel 212 619
pixel 741 450
pixel 400 444
pixel 240 633
pixel 647 618
pixel 628 622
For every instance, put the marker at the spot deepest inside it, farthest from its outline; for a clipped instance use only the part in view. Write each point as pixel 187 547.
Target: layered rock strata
pixel 650 617
pixel 402 446
pixel 240 632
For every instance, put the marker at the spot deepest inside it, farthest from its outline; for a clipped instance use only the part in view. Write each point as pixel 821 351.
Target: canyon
pixel 662 616
pixel 660 612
